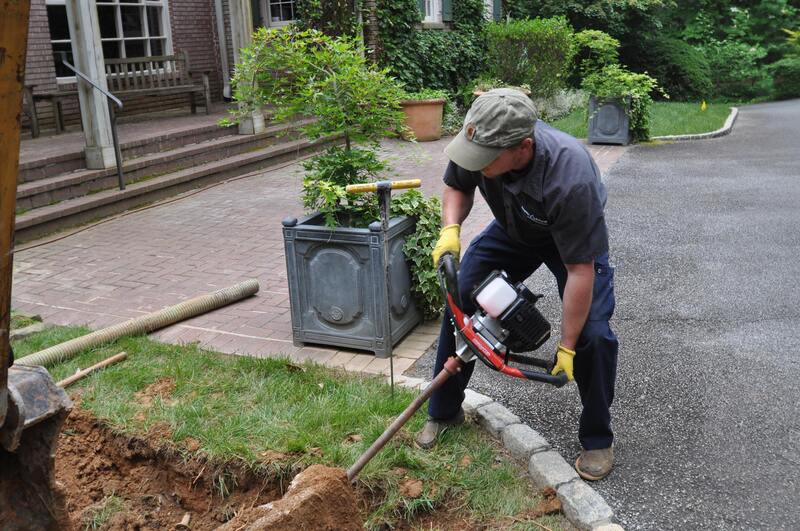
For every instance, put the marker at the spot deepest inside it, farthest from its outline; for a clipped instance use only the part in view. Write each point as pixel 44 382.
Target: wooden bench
pixel 138 76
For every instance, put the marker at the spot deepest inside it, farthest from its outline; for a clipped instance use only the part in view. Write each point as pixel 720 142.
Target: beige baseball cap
pixel 498 119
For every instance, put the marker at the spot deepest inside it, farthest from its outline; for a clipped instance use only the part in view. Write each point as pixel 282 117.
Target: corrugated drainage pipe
pixel 142 325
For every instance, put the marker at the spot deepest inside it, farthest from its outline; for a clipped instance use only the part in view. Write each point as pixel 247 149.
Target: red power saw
pixel 506 323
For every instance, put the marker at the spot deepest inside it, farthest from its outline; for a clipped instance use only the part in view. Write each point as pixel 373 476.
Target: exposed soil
pixel 157 486
pixel 319 498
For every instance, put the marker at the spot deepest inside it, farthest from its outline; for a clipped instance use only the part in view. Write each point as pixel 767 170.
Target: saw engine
pixel 508 319
pixel 506 323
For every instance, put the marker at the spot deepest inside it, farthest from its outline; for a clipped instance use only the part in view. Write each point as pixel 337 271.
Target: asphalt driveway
pixel 705 236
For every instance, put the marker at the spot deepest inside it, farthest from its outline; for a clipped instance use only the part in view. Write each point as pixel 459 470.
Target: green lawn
pixel 240 408
pixel 666 118
pixel 19 320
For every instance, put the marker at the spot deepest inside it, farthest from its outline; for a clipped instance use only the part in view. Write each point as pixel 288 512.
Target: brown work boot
pixel 426 438
pixel 594 465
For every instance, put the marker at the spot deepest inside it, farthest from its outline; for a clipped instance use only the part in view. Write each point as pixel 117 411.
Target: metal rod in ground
pixel 451 367
pixel 88 370
pixel 385 200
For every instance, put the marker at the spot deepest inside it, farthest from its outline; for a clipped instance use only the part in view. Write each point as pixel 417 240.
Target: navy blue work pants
pixel 595 365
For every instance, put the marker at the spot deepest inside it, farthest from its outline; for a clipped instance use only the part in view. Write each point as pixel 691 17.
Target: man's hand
pixel 449 242
pixel 564 357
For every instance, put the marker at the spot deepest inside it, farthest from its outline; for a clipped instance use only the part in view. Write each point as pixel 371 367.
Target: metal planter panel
pixel 608 122
pixel 337 289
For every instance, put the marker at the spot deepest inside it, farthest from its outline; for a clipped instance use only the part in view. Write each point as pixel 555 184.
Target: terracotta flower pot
pixel 424 118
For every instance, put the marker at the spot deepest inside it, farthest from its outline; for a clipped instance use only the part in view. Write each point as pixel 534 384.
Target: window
pixel 128 28
pixel 277 12
pixel 433 11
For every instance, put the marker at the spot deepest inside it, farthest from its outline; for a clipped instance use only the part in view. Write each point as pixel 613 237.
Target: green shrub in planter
pixel 305 73
pixel 419 246
pixel 617 83
pixel 593 50
pixel 536 52
pixel 786 77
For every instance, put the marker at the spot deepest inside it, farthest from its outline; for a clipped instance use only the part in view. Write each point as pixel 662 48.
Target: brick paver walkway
pixel 144 261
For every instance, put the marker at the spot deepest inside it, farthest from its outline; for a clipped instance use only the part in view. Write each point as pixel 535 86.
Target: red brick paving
pixel 209 240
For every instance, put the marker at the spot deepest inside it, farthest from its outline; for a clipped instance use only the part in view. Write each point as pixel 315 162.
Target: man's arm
pixel 577 302
pixel 456 205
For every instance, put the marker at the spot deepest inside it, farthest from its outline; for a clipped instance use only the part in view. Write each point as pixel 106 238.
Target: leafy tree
pixel 619 18
pixel 305 73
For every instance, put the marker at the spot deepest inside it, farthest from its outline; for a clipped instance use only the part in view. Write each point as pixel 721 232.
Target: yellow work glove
pixel 449 242
pixel 564 358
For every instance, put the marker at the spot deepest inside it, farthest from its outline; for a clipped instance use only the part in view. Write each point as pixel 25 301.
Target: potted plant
pixel 619 105
pixel 424 111
pixel 334 255
pixel 248 114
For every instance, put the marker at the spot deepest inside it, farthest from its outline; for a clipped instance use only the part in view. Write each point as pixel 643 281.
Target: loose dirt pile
pixel 319 498
pixel 147 482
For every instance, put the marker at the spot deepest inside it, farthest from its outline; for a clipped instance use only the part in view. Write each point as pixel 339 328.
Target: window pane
pixel 281 11
pixel 57 19
pixel 286 12
pixel 130 1
pixel 107 16
pixel 62 51
pixel 111 49
pixel 156 46
pixel 154 21
pixel 134 48
pixel 131 22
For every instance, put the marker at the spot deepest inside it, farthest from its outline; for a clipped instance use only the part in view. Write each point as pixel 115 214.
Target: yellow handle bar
pixel 391 185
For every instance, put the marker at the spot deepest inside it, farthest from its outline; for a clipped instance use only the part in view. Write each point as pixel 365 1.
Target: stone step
pixel 67 186
pixel 45 220
pixel 67 162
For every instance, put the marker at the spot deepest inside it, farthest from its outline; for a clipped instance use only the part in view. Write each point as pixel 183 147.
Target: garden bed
pixel 175 430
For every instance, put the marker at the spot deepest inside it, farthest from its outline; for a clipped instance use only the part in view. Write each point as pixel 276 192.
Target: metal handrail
pixel 113 115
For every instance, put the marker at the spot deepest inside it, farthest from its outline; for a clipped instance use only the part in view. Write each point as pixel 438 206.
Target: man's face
pixel 514 158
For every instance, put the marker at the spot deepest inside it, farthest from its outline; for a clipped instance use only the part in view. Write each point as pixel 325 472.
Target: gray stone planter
pixel 336 284
pixel 609 122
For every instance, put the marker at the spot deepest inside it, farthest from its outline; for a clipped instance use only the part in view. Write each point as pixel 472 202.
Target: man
pixel 547 198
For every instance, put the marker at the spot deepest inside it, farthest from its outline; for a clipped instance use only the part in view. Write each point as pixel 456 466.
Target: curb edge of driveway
pixel 582 505
pixel 722 131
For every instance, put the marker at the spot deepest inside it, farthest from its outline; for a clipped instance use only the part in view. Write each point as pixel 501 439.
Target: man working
pixel 547 198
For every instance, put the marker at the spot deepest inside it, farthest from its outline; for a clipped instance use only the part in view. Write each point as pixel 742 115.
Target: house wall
pixel 194 30
pixel 39 69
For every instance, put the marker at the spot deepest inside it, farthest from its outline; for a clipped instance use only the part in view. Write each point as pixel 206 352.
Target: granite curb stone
pixel 495 417
pixel 583 506
pixel 473 400
pixel 722 131
pixel 549 469
pixel 523 441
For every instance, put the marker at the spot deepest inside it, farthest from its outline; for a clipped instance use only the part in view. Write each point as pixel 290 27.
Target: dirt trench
pixel 149 484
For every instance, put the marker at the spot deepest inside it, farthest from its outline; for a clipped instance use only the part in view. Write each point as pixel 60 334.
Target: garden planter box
pixel 337 290
pixel 424 118
pixel 608 122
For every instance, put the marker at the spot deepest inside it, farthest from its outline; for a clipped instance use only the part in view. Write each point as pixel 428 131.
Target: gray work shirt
pixel 557 200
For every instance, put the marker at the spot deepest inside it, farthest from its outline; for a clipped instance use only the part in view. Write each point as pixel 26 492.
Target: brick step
pixel 51 218
pixel 67 162
pixel 67 186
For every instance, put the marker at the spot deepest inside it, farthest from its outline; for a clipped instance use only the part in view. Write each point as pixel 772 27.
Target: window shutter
pixel 421 8
pixel 447 10
pixel 497 9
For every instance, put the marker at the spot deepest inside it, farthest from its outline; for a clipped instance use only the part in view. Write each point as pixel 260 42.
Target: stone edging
pixel 724 130
pixel 582 505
